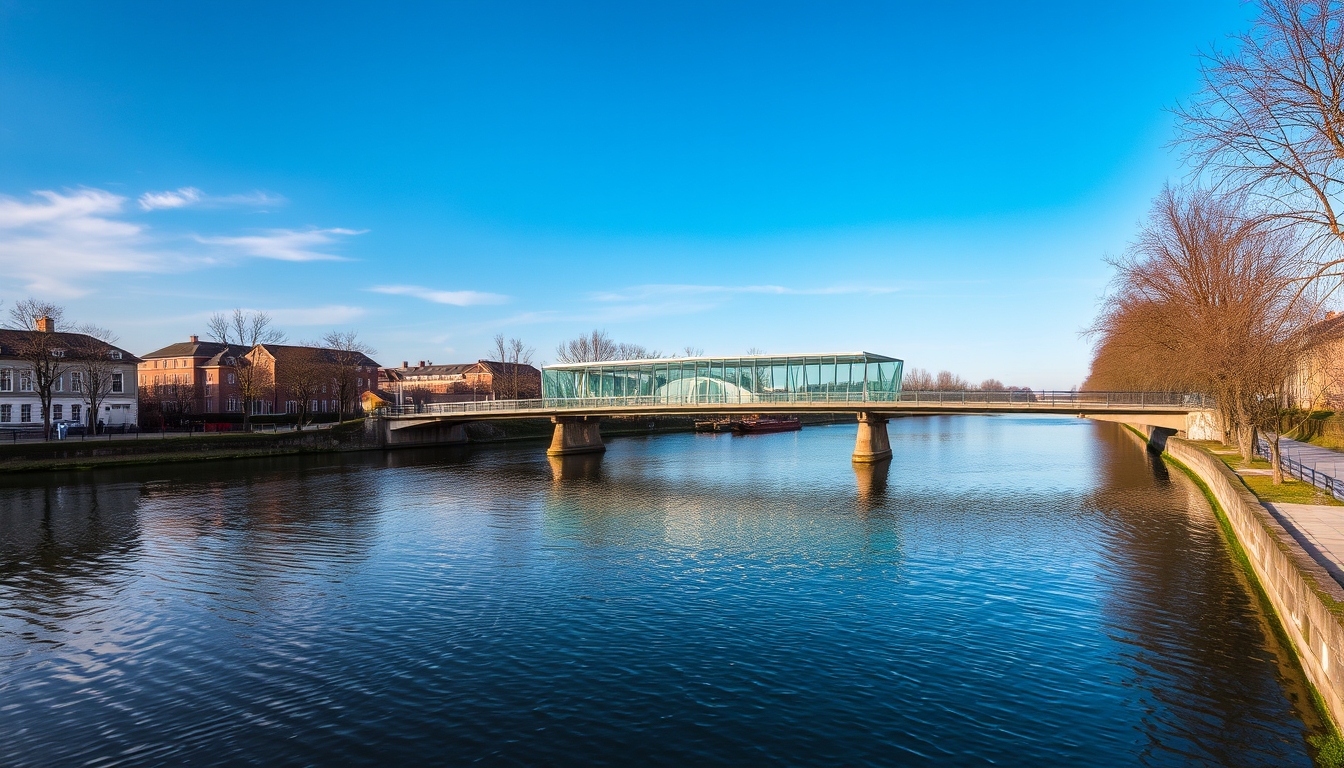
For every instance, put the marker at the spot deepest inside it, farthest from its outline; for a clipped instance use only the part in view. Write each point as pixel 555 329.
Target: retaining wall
pixel 1300 589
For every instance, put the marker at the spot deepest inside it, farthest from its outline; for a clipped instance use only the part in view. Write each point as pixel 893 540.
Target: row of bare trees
pixel 921 380
pixel 599 347
pixel 1224 287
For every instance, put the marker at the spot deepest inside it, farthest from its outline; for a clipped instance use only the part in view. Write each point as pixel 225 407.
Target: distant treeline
pixel 920 380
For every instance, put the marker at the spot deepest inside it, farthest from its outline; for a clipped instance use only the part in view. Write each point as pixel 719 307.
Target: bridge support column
pixel 575 434
pixel 871 445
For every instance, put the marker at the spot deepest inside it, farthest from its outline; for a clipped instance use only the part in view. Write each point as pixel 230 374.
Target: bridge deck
pixel 909 403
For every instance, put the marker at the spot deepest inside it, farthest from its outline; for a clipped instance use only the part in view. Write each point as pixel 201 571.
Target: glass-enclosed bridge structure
pixel 831 378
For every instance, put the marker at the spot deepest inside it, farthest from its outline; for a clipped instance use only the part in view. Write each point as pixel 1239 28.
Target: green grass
pixel 1292 491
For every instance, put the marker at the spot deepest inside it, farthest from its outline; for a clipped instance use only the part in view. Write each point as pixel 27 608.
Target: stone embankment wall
pixel 1309 603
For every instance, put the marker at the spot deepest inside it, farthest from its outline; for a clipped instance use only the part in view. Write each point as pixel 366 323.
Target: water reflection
pixel 1016 591
pixel 872 482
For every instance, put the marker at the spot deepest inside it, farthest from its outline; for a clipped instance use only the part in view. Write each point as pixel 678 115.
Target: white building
pixel 21 407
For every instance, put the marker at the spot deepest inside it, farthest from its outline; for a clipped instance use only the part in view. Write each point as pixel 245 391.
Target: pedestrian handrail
pixel 1024 397
pixel 1301 471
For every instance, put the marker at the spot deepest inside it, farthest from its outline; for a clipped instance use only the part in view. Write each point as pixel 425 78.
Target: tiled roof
pixel 280 350
pixel 188 349
pixel 11 342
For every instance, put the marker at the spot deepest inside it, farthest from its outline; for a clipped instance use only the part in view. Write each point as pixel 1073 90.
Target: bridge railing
pixel 1026 398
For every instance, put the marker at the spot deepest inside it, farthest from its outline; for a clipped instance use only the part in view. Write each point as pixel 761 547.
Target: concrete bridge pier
pixel 575 434
pixel 872 444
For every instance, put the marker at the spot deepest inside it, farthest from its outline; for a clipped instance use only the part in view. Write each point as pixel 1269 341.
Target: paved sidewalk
pixel 1323 460
pixel 1319 529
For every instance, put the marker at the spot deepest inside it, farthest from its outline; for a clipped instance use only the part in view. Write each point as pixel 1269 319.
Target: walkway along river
pixel 1022 590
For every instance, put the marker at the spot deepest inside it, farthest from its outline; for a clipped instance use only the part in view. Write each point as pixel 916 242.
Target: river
pixel 1011 591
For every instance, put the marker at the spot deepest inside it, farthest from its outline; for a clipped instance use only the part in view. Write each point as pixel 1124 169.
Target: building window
pixel 233 405
pixel 76 381
pixel 232 379
pixel 74 412
pixel 117 383
pixel 291 406
pixel 56 411
pixel 358 382
pixel 6 413
pixel 26 381
pixel 116 354
pixel 58 385
pixel 6 379
pixel 208 403
pixel 313 407
pixel 26 413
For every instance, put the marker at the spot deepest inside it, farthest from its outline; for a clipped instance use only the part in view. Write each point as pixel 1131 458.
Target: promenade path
pixel 1323 460
pixel 1319 528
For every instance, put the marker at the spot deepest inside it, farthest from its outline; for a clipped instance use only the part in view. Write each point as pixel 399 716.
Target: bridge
pixel 576 397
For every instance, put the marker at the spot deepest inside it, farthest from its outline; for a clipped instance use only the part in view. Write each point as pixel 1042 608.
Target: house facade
pixel 21 405
pixel 192 377
pixel 1317 381
pixel 295 373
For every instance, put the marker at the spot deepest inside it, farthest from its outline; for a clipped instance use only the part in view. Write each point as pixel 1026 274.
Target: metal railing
pixel 1025 398
pixel 1301 471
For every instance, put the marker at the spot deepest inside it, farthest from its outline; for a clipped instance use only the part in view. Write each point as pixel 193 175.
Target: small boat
pixel 722 425
pixel 769 424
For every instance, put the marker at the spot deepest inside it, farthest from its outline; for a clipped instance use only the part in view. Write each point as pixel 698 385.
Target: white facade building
pixel 21 407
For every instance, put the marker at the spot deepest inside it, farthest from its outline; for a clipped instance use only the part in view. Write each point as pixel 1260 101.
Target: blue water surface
pixel 1008 591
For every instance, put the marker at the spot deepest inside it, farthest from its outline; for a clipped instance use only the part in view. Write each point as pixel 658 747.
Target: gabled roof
pixel 280 351
pixel 454 369
pixel 497 367
pixel 12 341
pixel 188 349
pixel 224 356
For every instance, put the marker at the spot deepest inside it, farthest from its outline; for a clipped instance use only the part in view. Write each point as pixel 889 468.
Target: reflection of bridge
pixel 576 418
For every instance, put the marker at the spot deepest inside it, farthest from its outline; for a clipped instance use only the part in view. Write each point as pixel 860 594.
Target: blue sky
pixel 938 183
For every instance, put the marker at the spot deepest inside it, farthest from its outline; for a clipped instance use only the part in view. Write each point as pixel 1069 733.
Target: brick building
pixel 311 374
pixel 460 382
pixel 192 377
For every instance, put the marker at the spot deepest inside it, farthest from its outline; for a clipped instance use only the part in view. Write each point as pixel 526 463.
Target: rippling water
pixel 1009 591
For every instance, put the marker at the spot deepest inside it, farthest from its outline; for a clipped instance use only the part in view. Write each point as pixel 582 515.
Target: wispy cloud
pixel 455 298
pixel 181 198
pixel 287 244
pixel 191 196
pixel 56 240
pixel 661 290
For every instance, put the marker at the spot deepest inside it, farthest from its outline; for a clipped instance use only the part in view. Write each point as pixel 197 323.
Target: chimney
pixel 422 363
pixel 195 340
pixel 405 364
pixel 46 324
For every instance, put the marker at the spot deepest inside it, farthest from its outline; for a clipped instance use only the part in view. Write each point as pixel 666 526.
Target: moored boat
pixel 769 424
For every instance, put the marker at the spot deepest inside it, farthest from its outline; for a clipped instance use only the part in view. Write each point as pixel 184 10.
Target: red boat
pixel 769 424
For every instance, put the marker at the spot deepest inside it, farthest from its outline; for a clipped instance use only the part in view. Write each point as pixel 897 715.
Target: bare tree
pixel 306 370
pixel 515 357
pixel 947 381
pixel 599 347
pixel 690 351
pixel 348 356
pixel 1208 297
pixel 246 330
pixel 42 348
pixel 1269 120
pixel 917 380
pixel 93 371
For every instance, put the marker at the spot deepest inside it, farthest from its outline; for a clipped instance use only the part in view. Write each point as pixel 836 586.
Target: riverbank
pixel 1305 600
pixel 67 455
